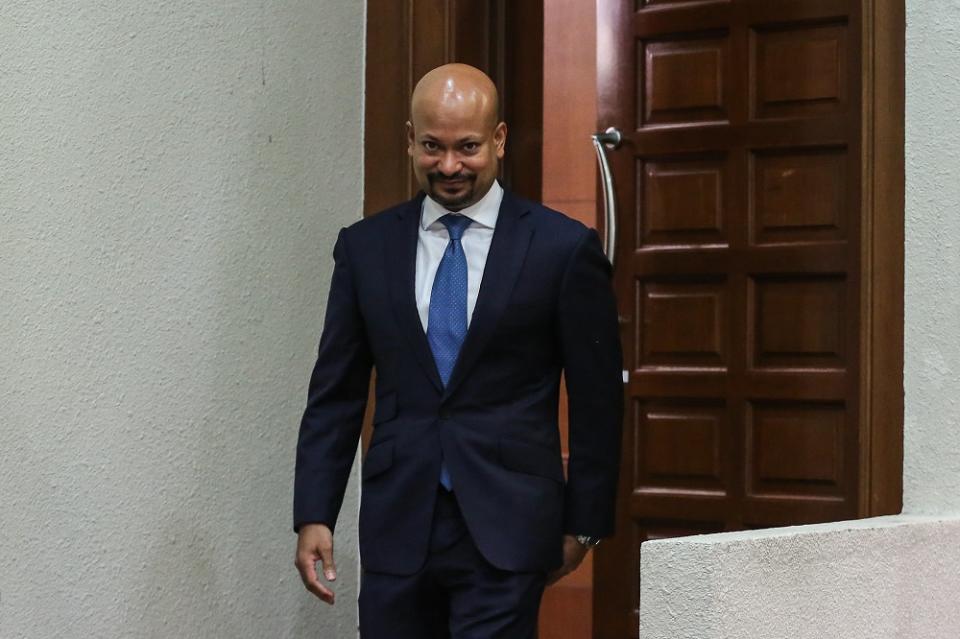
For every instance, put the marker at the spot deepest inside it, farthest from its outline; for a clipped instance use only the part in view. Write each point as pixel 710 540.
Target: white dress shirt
pixel 434 237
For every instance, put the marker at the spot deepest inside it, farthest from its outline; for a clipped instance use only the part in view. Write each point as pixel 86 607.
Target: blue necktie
pixel 447 320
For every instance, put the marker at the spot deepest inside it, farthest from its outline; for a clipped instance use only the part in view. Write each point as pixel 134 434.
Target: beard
pixel 464 183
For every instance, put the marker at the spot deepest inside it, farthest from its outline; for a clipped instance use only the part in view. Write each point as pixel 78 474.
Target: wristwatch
pixel 589 542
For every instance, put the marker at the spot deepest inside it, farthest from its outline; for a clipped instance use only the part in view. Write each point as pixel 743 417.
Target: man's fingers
pixel 329 567
pixel 323 592
pixel 306 566
pixel 307 569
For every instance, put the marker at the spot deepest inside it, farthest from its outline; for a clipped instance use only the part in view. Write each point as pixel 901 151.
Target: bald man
pixel 471 302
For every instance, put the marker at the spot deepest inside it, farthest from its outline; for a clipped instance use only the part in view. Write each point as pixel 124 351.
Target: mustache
pixel 440 177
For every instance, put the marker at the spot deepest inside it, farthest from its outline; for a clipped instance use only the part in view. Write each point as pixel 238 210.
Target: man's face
pixel 455 151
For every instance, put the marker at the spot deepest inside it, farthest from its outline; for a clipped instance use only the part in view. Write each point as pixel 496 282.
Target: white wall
pixel 890 577
pixel 172 178
pixel 931 475
pixel 887 577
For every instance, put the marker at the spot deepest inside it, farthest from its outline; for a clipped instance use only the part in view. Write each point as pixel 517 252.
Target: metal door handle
pixel 611 138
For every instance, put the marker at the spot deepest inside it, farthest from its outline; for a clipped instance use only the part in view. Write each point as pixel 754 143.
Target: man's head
pixel 454 135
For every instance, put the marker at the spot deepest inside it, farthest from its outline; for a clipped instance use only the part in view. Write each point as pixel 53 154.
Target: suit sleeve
pixel 592 361
pixel 336 400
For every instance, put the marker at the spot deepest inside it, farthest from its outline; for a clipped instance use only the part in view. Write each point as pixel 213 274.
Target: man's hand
pixel 573 554
pixel 315 543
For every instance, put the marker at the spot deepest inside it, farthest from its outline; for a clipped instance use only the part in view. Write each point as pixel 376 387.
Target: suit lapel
pixel 400 268
pixel 511 237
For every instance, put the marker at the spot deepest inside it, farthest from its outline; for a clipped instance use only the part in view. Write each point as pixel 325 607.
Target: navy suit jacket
pixel 545 306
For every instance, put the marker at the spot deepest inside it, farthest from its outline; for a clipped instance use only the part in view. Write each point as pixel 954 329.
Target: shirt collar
pixel 483 213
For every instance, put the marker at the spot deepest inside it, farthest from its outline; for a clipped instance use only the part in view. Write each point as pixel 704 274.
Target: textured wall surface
pixel 172 178
pixel 883 578
pixel 931 481
pixel 888 577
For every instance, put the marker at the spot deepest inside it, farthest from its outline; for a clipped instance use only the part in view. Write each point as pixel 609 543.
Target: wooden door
pixel 740 271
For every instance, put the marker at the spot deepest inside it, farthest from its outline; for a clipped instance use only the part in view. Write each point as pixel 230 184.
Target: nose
pixel 449 163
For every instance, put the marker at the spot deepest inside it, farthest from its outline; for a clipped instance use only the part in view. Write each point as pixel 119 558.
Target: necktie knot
pixel 456 225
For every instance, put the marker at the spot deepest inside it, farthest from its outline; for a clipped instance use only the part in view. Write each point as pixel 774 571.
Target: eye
pixel 470 147
pixel 430 146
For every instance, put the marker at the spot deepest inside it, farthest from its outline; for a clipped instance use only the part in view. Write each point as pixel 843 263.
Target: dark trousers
pixel 457 594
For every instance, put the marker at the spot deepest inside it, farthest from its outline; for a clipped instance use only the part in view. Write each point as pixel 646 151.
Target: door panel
pixel 739 269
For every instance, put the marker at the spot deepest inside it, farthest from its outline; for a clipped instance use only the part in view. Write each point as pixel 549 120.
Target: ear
pixel 411 139
pixel 500 139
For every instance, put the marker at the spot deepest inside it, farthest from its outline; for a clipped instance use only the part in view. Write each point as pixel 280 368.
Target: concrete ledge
pixel 895 576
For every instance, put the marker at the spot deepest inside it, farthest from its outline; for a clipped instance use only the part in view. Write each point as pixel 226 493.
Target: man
pixel 470 301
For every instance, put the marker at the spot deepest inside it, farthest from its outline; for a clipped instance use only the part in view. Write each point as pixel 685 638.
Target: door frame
pixel 882 257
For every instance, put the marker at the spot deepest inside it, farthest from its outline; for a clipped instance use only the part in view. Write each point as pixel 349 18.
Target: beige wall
pixel 172 177
pixel 931 475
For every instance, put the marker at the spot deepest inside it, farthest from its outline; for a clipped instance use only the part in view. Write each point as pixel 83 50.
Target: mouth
pixel 450 181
